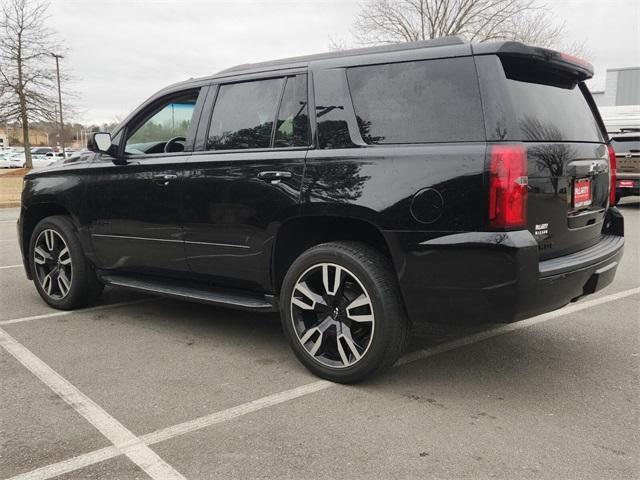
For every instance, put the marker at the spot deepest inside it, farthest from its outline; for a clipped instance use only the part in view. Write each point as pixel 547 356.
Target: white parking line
pixel 234 412
pixel 70 465
pixel 96 456
pixel 168 433
pixel 62 313
pixel 123 439
pixel 10 266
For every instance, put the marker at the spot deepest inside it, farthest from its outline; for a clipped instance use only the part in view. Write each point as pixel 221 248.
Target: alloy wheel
pixel 332 315
pixel 52 263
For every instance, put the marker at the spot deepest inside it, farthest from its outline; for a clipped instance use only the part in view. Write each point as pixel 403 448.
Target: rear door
pixel 552 113
pixel 246 179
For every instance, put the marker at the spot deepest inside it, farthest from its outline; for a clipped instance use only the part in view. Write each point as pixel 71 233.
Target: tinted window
pixel 626 144
pixel 549 107
pixel 332 101
pixel 292 128
pixel 172 120
pixel 418 102
pixel 243 115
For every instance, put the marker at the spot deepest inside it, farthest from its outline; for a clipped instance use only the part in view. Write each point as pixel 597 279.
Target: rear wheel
pixel 341 311
pixel 63 277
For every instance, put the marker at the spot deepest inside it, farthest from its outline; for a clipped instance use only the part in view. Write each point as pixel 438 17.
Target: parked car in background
pixel 4 160
pixel 355 192
pixel 627 148
pixel 42 150
pixel 18 160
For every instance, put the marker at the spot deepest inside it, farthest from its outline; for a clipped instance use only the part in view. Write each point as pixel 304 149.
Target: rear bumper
pixel 496 277
pixel 627 186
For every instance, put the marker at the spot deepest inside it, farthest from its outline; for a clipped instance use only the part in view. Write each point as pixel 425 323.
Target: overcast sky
pixel 122 51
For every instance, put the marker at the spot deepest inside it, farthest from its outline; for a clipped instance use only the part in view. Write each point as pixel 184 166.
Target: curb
pixel 9 204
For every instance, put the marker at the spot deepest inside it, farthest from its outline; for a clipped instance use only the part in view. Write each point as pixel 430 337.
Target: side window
pixel 171 121
pixel 243 115
pixel 292 129
pixel 418 102
pixel 332 101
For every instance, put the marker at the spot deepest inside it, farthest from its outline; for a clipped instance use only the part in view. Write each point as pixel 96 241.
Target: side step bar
pixel 195 293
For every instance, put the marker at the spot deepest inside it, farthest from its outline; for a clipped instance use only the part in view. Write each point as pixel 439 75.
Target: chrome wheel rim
pixel 332 315
pixel 52 263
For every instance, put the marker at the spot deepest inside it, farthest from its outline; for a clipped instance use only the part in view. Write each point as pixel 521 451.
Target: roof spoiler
pixel 580 68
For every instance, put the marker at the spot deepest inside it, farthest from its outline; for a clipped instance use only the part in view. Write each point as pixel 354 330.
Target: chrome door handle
pixel 273 175
pixel 163 179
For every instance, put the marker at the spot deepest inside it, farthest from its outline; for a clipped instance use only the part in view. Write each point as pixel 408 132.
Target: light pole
pixel 58 57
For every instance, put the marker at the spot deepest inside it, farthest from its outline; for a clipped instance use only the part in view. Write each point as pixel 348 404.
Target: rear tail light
pixel 613 165
pixel 508 184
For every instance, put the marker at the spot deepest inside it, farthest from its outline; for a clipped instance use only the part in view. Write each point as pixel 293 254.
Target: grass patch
pixel 10 190
pixel 14 172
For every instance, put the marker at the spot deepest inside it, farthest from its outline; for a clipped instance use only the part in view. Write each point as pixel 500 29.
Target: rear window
pixel 626 144
pixel 548 110
pixel 418 102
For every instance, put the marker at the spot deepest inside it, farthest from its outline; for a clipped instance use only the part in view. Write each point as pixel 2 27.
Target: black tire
pixel 84 286
pixel 389 329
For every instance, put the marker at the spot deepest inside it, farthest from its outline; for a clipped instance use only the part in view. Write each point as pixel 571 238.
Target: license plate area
pixel 582 192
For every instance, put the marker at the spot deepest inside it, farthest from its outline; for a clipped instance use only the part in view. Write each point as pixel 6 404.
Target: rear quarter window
pixel 418 102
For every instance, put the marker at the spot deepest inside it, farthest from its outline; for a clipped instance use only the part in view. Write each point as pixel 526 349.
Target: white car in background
pixel 18 160
pixel 4 160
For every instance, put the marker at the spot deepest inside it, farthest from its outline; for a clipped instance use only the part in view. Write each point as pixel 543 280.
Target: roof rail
pixel 390 47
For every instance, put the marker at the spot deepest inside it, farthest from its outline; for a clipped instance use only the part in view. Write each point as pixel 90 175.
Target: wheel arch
pixel 301 233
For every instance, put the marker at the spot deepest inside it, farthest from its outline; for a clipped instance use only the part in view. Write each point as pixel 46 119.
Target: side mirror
pixel 100 142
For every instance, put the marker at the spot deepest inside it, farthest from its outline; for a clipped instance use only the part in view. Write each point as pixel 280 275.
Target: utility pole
pixel 58 57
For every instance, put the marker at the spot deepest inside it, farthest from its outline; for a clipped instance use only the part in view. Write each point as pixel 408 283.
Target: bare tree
pixel 28 90
pixel 391 21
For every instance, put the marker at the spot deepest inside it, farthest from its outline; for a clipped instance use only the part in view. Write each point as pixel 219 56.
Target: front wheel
pixel 63 277
pixel 341 311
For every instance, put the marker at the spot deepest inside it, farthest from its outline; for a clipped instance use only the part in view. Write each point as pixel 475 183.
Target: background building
pixel 619 102
pixel 11 135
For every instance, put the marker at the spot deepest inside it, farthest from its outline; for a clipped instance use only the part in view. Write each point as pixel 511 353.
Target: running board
pixel 194 293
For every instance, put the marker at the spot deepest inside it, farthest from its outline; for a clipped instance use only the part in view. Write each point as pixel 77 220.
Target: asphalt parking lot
pixel 142 387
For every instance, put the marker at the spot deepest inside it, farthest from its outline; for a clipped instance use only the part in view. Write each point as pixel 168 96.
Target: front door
pixel 247 180
pixel 136 208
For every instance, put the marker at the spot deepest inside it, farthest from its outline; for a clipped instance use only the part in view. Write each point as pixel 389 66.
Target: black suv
pixel 355 192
